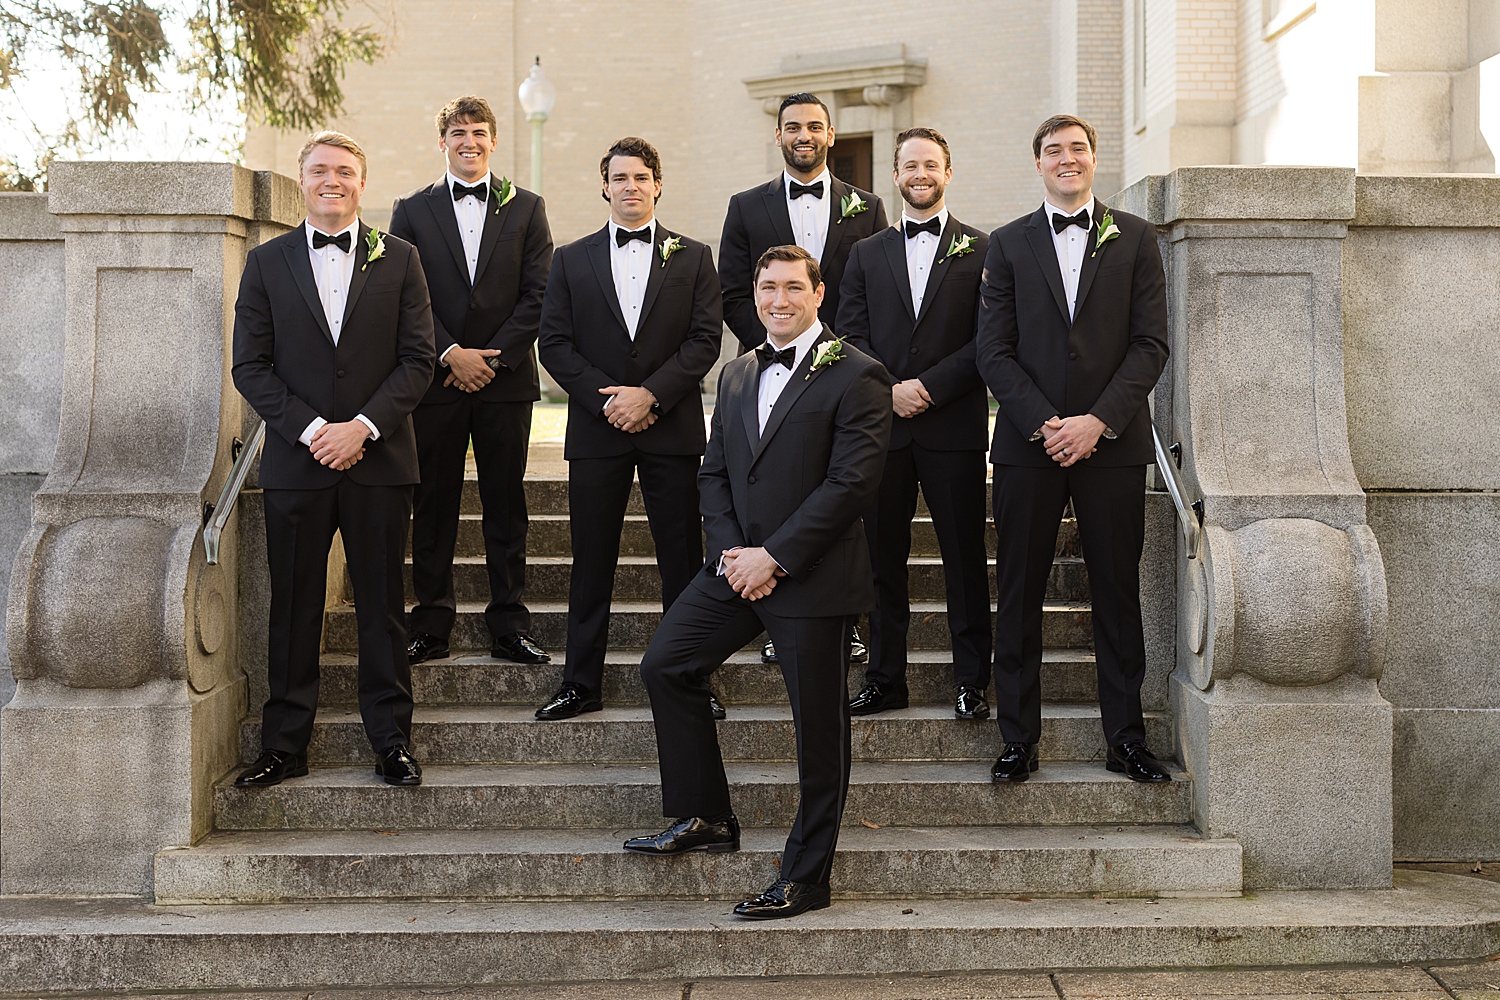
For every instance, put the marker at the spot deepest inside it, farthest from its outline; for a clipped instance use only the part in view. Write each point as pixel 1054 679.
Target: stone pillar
pixel 1282 620
pixel 124 643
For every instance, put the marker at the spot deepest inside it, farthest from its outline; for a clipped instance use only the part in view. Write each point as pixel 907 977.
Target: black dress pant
pixel 299 530
pixel 953 483
pixel 500 432
pixel 697 635
pixel 1110 504
pixel 598 492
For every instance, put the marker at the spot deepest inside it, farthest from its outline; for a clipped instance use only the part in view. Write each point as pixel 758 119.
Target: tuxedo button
pixel 914 350
pixel 1072 357
pixel 635 354
pixel 341 373
pixel 752 480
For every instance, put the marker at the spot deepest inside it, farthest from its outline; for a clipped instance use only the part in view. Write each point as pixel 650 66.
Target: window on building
pixel 1138 90
pixel 850 160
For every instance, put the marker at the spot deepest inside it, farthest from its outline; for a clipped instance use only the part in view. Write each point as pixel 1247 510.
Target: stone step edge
pixel 654 607
pixel 63 945
pixel 741 657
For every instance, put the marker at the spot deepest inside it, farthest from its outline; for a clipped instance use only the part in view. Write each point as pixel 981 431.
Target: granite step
pixel 637 579
pixel 57 945
pixel 632 623
pixel 473 678
pixel 520 865
pixel 628 796
pixel 471 734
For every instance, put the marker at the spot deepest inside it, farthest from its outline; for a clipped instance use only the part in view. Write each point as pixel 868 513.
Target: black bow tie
pixel 769 356
pixel 343 240
pixel 480 191
pixel 624 236
pixel 930 226
pixel 798 190
pixel 1061 222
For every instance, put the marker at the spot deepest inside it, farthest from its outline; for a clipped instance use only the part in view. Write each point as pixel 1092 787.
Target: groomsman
pixel 1072 338
pixel 910 298
pixel 488 249
pixel 631 323
pixel 333 348
pixel 799 437
pixel 805 206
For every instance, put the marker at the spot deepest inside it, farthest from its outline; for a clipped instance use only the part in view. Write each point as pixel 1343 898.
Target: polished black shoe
pixel 397 766
pixel 970 704
pixel 271 767
pixel 873 697
pixel 784 899
pixel 1016 763
pixel 768 652
pixel 1135 761
pixel 857 651
pixel 425 646
pixel 717 707
pixel 691 833
pixel 571 699
pixel 518 647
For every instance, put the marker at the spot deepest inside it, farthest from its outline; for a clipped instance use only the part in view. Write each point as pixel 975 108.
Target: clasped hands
pixel 467 368
pixel 340 445
pixel 1072 439
pixel 629 407
pixel 750 571
pixel 910 398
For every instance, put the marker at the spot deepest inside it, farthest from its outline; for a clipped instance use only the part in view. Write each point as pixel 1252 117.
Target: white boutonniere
pixel 828 352
pixel 1107 231
pixel 851 204
pixel 505 194
pixel 962 244
pixel 375 247
pixel 669 246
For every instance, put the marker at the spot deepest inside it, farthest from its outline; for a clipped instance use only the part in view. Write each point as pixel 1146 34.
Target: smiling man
pixel 1072 337
pixel 333 348
pixel 798 443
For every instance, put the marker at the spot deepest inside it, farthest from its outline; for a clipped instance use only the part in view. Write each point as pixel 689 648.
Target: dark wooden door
pixel 851 160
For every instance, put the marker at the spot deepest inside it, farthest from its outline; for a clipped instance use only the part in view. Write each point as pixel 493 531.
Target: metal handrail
pixel 1187 519
pixel 217 516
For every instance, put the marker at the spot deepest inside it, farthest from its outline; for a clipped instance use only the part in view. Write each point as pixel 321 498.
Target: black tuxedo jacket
pixel 757 221
pixel 799 488
pixel 1104 362
pixel 288 368
pixel 501 309
pixel 937 346
pixel 586 345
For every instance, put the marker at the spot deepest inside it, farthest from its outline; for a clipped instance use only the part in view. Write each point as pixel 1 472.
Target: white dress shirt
pixel 775 379
pixel 631 267
pixel 921 253
pixel 469 213
pixel 809 215
pixel 1071 245
pixel 333 270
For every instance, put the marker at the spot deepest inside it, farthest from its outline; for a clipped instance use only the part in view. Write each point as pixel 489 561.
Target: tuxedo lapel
pixel 656 275
pixel 1039 235
pixel 895 255
pixel 440 203
pixel 494 222
pixel 939 269
pixel 773 197
pixel 1090 260
pixel 295 251
pixel 598 248
pixel 837 190
pixel 788 397
pixel 361 272
pixel 749 402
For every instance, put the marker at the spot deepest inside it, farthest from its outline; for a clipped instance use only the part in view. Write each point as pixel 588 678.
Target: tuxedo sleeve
pixel 253 369
pixel 579 379
pixel 685 370
pixel 736 280
pixel 721 528
pixel 519 332
pixel 1146 354
pixel 861 437
pixel 407 383
pixel 995 340
pixel 401 228
pixel 854 308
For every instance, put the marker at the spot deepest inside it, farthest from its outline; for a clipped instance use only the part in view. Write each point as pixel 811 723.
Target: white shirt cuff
pixel 312 428
pixel 443 358
pixel 374 431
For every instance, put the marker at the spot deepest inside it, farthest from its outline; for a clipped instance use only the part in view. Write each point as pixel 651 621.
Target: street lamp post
pixel 537 96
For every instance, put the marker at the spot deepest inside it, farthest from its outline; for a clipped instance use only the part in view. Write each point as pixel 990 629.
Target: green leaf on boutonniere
pixel 851 204
pixel 505 194
pixel 962 244
pixel 1107 231
pixel 828 352
pixel 375 247
pixel 669 246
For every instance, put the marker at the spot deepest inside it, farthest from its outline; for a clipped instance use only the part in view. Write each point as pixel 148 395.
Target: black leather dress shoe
pixel 1016 762
pixel 857 651
pixel 397 766
pixel 1135 761
pixel 717 707
pixel 768 652
pixel 425 646
pixel 691 833
pixel 570 700
pixel 873 697
pixel 784 899
pixel 970 704
pixel 271 767
pixel 518 647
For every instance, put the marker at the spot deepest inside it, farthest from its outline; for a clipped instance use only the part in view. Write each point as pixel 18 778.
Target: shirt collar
pixel 1052 210
pixel 614 227
pixel 352 229
pixel 825 177
pixel 448 175
pixel 803 343
pixel 942 218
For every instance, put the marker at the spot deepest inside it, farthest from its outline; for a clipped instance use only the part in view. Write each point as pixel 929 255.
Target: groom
pixel 798 443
